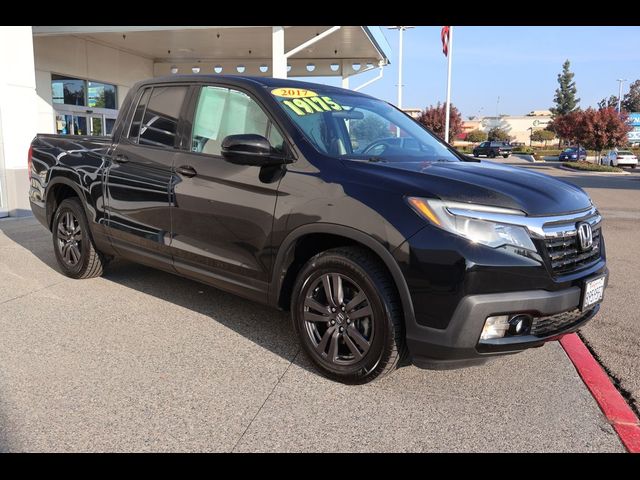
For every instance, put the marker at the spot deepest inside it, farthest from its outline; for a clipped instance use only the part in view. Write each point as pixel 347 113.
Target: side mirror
pixel 251 149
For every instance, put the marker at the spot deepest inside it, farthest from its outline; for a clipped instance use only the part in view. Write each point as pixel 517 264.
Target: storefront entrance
pixel 70 120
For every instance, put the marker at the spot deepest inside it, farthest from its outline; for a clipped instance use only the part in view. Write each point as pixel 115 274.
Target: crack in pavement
pixel 265 400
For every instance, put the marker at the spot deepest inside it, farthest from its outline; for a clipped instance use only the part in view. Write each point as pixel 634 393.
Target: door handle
pixel 121 158
pixel 187 171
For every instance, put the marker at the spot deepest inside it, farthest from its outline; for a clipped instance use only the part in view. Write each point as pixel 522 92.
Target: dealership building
pixel 72 80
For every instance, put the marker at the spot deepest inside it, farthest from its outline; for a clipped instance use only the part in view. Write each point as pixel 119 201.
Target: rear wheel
pixel 347 315
pixel 74 248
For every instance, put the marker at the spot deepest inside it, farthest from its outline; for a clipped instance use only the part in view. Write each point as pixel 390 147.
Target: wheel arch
pixel 285 266
pixel 58 189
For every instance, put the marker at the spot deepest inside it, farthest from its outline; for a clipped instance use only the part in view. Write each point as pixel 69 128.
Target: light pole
pixel 400 30
pixel 620 80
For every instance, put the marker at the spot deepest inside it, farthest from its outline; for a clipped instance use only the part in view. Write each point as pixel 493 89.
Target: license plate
pixel 593 292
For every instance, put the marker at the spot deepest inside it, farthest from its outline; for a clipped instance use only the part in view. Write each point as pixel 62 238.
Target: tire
pixel 633 166
pixel 492 155
pixel 475 154
pixel 76 253
pixel 329 338
pixel 505 156
pixel 611 163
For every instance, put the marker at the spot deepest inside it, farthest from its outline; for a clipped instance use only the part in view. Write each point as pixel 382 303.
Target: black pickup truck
pixel 493 149
pixel 301 196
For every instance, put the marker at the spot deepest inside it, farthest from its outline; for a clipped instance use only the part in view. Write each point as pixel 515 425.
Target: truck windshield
pixel 355 127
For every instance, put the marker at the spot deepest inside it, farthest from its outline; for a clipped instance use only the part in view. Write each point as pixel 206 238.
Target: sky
pixel 517 64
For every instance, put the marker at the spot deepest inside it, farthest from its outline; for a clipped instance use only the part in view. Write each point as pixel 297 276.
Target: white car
pixel 619 158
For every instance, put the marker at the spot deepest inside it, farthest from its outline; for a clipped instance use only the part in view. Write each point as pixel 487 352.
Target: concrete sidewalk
pixel 141 360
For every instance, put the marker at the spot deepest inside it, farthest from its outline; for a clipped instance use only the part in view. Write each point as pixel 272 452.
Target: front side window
pixel 224 111
pixel 159 126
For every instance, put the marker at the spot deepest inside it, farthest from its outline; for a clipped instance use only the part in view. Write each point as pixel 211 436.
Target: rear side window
pixel 224 111
pixel 159 124
pixel 134 131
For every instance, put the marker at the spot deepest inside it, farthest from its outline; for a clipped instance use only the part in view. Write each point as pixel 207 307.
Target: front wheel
pixel 346 312
pixel 72 243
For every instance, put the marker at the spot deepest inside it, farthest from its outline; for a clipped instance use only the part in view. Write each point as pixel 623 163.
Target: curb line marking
pixel 614 407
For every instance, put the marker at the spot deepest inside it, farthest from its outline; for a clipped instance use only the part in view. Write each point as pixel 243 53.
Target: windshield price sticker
pixel 293 92
pixel 306 106
pixel 305 102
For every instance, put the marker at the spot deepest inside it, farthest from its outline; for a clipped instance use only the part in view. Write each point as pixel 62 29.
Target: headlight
pixel 574 156
pixel 466 221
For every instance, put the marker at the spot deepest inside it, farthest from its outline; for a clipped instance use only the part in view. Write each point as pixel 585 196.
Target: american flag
pixel 444 35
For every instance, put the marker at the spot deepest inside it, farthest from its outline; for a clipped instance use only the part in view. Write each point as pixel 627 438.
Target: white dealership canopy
pixel 291 51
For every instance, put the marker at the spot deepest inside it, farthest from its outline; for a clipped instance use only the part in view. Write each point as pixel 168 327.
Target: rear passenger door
pixel 223 213
pixel 140 173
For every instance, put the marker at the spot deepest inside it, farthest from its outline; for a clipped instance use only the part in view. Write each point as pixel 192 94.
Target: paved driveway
pixel 141 360
pixel 614 335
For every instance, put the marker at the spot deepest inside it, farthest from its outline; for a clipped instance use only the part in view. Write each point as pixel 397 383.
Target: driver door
pixel 222 213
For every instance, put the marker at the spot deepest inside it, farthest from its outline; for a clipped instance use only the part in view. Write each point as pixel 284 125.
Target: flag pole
pixel 448 104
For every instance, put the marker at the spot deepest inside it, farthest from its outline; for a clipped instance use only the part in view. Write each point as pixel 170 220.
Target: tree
pixel 631 99
pixel 565 97
pixel 564 126
pixel 368 129
pixel 602 129
pixel 498 134
pixel 434 119
pixel 612 101
pixel 476 136
pixel 542 136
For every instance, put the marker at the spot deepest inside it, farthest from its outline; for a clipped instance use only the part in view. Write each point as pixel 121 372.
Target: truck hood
pixel 485 183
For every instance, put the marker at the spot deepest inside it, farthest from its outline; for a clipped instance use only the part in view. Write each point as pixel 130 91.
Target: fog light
pixel 495 327
pixel 520 325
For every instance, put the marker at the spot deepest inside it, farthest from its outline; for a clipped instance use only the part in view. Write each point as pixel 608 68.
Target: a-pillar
pixel 18 117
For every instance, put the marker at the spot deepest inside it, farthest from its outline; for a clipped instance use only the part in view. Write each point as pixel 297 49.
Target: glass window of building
pixel 101 95
pixel 68 91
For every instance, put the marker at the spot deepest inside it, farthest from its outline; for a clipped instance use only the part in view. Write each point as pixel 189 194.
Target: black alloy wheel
pixel 347 314
pixel 73 245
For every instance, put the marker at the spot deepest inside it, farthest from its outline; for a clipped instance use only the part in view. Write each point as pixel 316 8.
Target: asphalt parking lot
pixel 140 360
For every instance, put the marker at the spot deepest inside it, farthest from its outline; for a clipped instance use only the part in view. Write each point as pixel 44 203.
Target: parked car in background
pixel 571 154
pixel 620 158
pixel 493 149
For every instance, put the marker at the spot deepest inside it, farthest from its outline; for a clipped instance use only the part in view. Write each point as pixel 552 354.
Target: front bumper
pixel 455 285
pixel 458 345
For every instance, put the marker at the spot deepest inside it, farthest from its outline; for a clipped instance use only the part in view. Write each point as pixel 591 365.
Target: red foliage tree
pixel 434 119
pixel 602 129
pixel 565 126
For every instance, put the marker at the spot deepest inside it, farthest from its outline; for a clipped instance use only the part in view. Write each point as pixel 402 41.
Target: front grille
pixel 544 326
pixel 565 256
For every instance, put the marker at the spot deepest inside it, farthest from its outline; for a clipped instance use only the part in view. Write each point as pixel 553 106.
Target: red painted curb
pixel 614 407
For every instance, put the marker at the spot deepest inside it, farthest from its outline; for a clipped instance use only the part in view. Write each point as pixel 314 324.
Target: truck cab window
pixel 222 112
pixel 159 124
